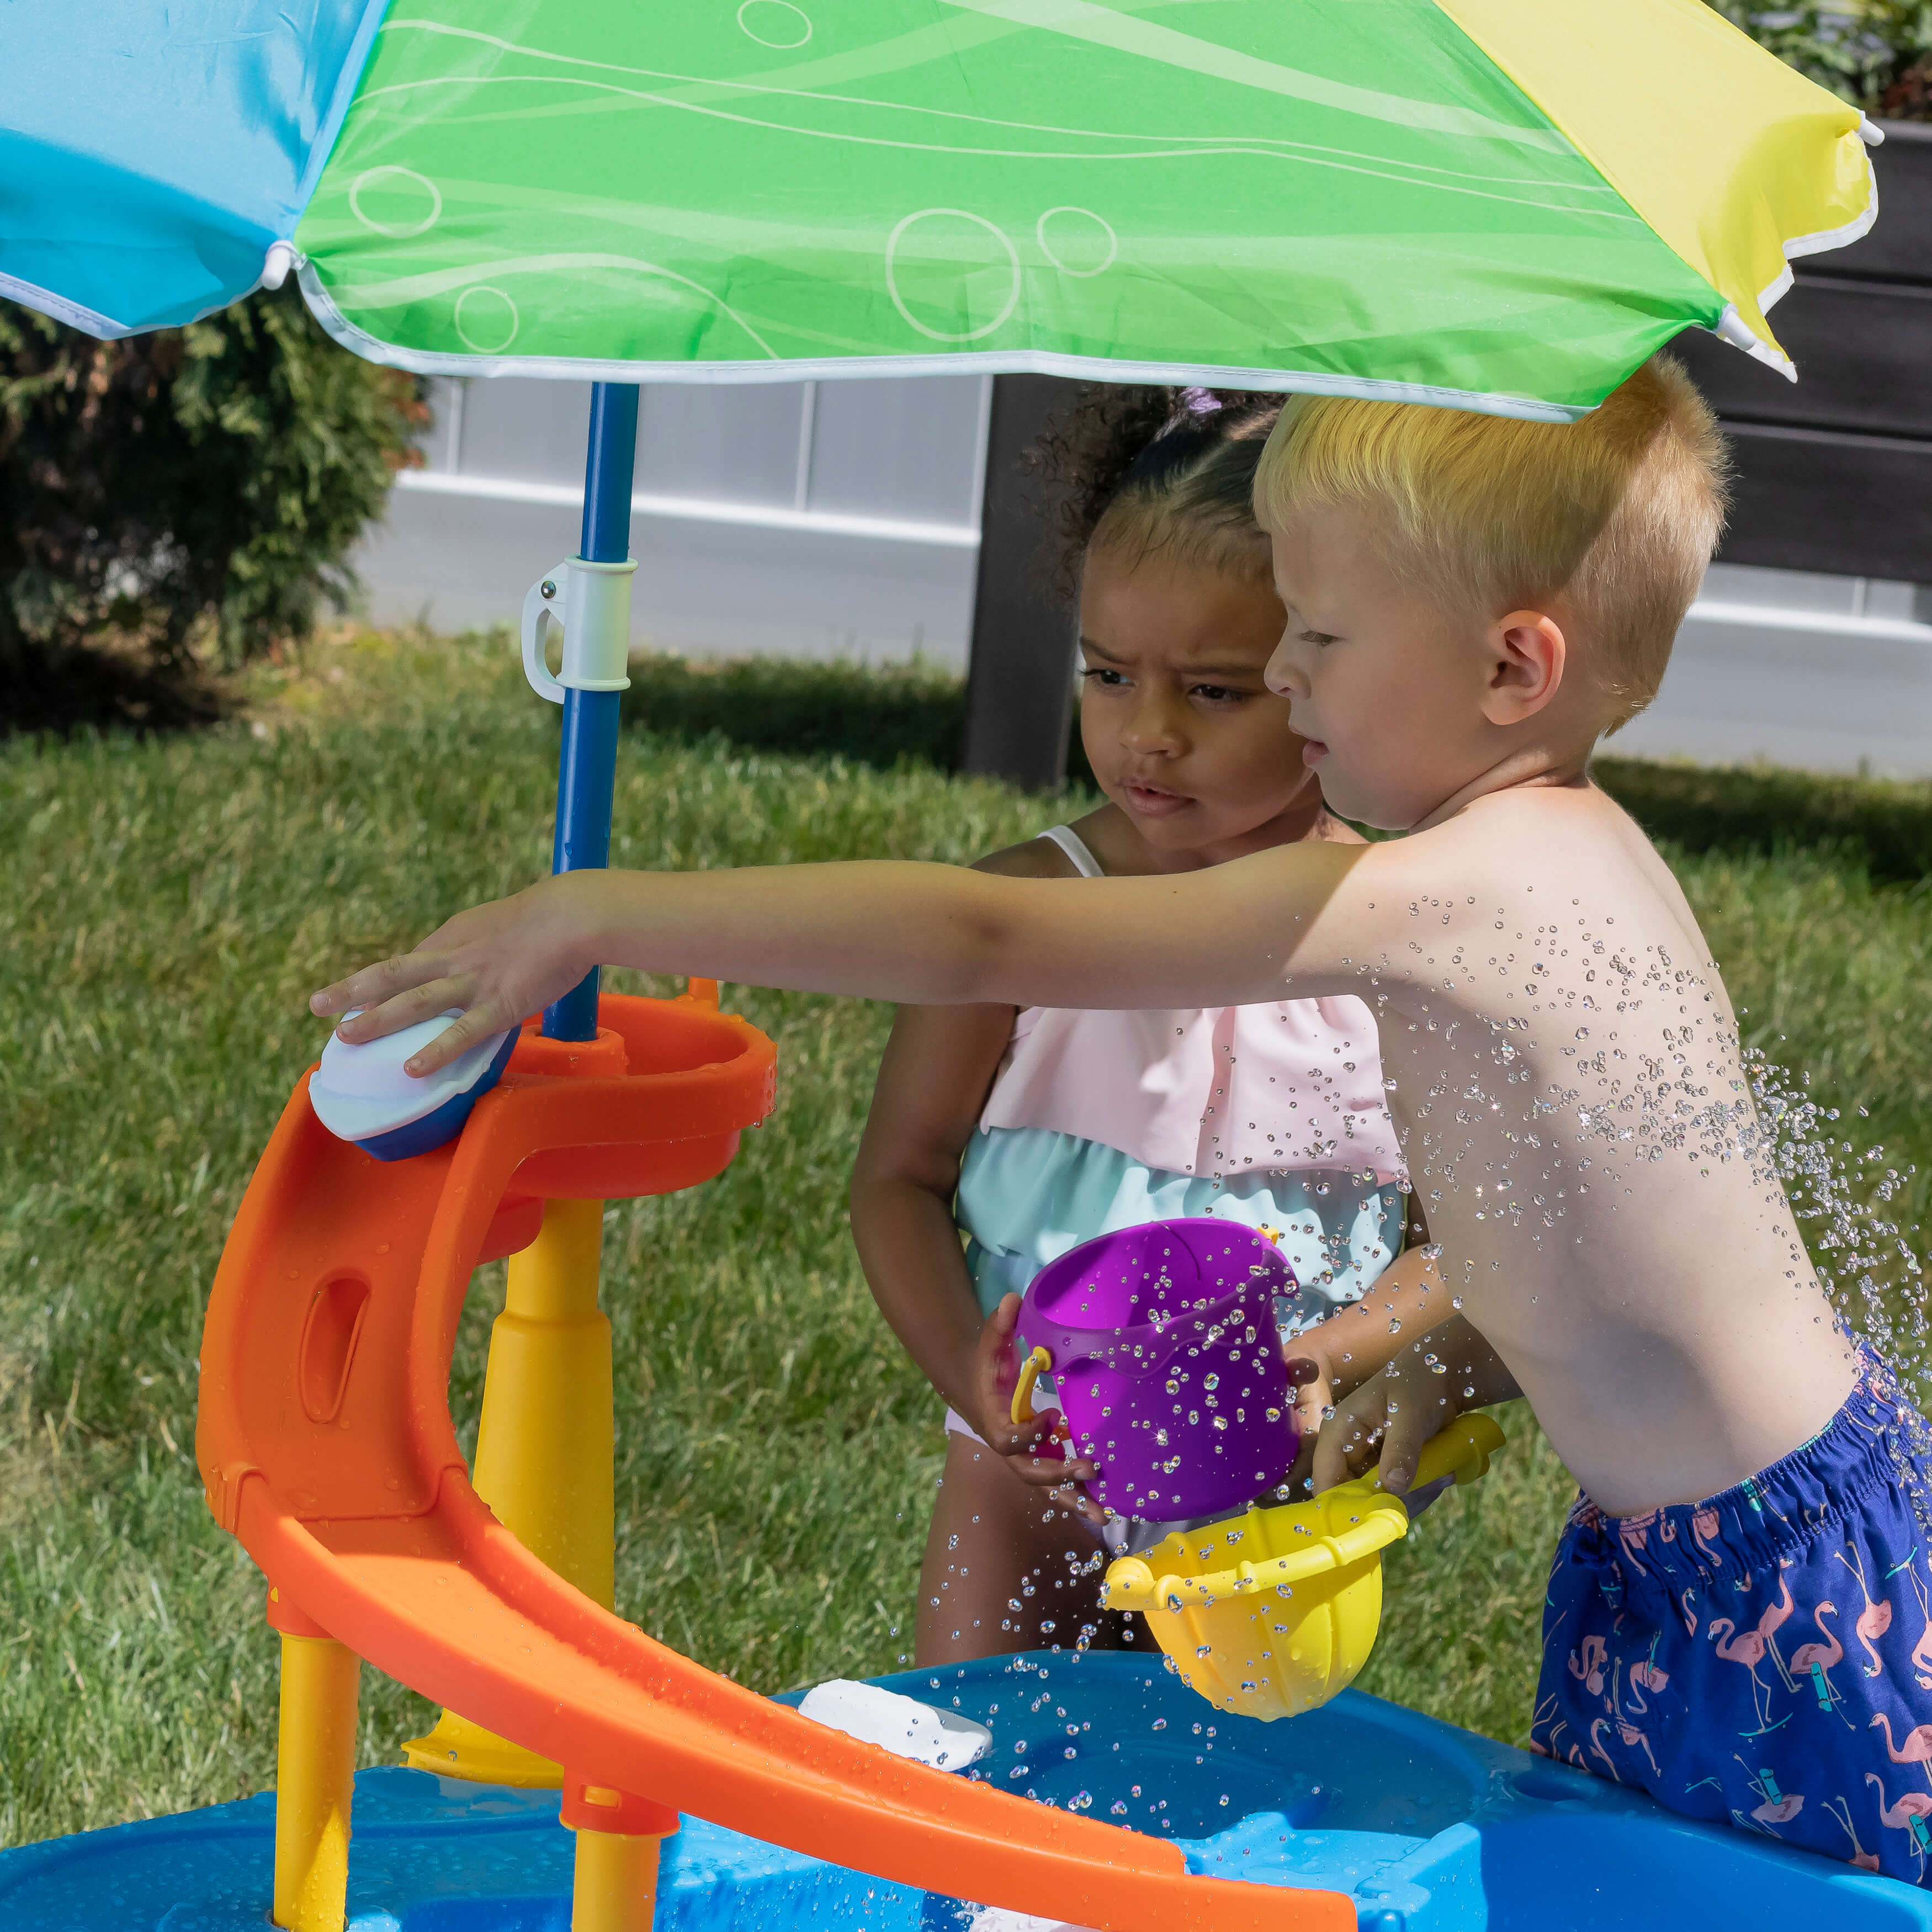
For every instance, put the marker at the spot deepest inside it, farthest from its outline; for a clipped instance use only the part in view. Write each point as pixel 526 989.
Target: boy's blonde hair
pixel 1616 514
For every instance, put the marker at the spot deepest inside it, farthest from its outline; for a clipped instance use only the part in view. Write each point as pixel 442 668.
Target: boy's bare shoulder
pixel 1532 850
pixel 1529 831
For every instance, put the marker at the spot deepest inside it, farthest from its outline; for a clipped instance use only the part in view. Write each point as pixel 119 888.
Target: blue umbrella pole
pixel 587 763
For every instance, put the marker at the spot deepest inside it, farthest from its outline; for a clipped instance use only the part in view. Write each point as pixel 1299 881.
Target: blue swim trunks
pixel 1764 1659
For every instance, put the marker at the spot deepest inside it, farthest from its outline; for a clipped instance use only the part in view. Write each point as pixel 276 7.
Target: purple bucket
pixel 1167 1364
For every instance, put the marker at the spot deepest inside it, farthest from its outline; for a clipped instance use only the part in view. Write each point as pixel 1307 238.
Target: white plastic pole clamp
pixel 590 604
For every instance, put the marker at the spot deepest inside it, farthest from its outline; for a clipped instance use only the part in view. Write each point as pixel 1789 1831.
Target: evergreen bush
pixel 191 493
pixel 1876 54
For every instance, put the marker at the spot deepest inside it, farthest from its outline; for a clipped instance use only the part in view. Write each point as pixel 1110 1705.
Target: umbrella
pixel 1485 203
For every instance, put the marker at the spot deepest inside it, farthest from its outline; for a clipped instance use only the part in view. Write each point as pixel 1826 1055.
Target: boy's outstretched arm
pixel 924 934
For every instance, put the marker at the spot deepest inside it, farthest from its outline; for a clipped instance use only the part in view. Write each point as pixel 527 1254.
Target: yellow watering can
pixel 1288 1615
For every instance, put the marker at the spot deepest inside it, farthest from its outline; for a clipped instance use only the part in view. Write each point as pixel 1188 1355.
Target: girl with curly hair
pixel 1029 1131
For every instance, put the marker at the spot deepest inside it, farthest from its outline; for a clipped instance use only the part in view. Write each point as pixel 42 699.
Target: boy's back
pixel 1580 1132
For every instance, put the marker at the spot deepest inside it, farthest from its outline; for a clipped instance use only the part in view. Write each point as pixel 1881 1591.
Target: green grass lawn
pixel 166 905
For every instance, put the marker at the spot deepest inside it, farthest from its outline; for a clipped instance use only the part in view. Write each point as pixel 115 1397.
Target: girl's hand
pixel 1312 1383
pixel 1311 1386
pixel 497 963
pixel 995 1375
pixel 1335 1358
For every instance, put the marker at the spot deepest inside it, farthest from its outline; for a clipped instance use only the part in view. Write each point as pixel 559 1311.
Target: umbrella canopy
pixel 1483 203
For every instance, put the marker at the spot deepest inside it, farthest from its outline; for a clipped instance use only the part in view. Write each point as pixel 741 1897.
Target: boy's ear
pixel 1527 657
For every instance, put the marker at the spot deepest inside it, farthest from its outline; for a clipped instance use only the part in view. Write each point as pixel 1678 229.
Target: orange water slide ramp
pixel 324 1441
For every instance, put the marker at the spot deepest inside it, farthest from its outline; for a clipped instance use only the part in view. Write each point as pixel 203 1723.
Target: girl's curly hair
pixel 1141 469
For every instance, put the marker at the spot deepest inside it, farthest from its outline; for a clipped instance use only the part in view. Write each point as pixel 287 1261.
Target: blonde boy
pixel 1472 603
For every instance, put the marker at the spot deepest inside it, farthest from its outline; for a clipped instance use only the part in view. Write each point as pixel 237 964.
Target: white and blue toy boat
pixel 361 1093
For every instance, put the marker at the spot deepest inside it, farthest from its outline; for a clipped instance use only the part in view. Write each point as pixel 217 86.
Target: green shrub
pixel 1876 54
pixel 193 492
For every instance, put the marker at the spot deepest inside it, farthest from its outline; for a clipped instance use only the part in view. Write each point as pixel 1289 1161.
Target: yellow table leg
pixel 544 1453
pixel 315 1771
pixel 617 1886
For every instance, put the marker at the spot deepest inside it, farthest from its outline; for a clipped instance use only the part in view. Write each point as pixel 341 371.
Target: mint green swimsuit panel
pixel 1026 1194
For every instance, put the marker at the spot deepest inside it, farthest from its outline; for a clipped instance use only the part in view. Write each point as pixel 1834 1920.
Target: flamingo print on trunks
pixel 1921 1651
pixel 1586 1664
pixel 1817 1661
pixel 1908 1815
pixel 1773 1620
pixel 1709 1660
pixel 1646 1675
pixel 1774 1806
pixel 1875 1619
pixel 1917 1748
pixel 1704 1525
pixel 1747 1648
pixel 1840 1809
pixel 1630 1735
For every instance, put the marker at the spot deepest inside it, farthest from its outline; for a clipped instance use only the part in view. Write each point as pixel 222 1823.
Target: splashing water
pixel 1872 1274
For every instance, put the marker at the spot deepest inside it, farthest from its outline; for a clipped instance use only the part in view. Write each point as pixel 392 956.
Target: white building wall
pixel 816 520
pixel 1825 674
pixel 841 520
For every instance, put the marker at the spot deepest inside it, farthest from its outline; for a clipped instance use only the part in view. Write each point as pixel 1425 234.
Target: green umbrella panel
pixel 1349 198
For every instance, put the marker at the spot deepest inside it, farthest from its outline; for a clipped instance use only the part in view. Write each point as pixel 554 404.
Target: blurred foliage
pixel 1876 54
pixel 190 495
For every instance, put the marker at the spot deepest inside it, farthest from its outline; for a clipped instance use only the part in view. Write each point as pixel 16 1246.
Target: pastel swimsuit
pixel 1272 1114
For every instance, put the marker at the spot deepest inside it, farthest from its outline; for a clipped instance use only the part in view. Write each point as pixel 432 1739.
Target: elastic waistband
pixel 1771 1516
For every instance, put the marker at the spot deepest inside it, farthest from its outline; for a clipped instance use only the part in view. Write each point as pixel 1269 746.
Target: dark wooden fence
pixel 1834 471
pixel 1019 677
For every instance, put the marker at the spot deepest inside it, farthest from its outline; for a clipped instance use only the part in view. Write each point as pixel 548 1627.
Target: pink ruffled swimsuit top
pixel 1273 1114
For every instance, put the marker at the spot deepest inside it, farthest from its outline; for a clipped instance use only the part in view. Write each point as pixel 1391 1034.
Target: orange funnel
pixel 326 1444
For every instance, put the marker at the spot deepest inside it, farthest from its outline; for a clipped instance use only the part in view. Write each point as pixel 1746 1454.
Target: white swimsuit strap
pixel 1070 842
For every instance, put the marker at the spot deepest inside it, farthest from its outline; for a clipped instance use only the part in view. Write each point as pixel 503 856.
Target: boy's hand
pixel 1420 1392
pixel 1390 1417
pixel 496 962
pixel 994 1376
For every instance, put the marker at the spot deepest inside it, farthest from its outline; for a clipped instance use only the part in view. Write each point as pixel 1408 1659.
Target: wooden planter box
pixel 1834 471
